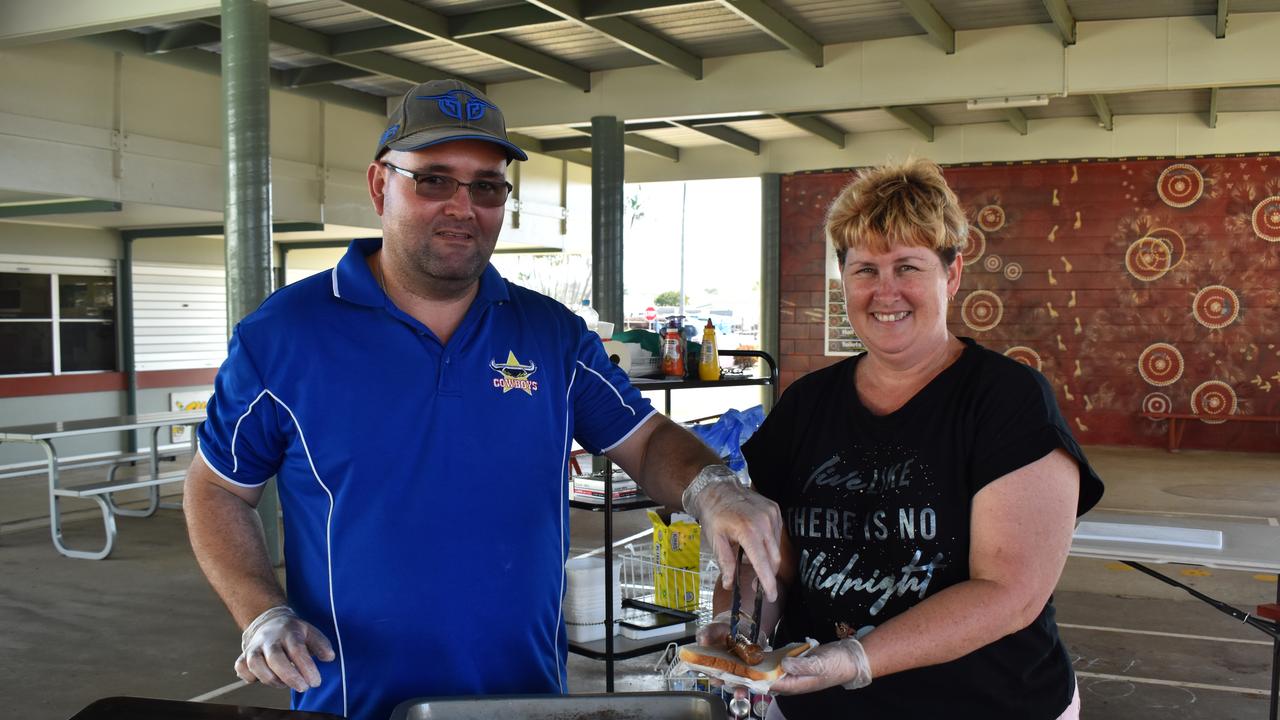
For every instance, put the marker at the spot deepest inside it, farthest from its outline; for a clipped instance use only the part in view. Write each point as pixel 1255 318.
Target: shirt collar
pixel 354 282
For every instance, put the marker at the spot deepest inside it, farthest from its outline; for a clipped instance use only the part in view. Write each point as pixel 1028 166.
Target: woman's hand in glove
pixel 841 663
pixel 277 648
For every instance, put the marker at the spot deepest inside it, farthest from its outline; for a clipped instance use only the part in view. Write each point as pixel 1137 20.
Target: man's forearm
pixel 672 457
pixel 226 536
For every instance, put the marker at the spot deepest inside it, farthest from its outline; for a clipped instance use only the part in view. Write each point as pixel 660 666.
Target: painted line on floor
pixel 1271 520
pixel 1255 692
pixel 219 692
pixel 1182 636
pixel 617 543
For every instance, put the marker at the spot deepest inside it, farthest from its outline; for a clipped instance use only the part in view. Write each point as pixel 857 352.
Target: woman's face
pixel 897 301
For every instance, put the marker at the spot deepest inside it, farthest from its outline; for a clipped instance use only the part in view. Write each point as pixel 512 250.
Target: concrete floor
pixel 145 623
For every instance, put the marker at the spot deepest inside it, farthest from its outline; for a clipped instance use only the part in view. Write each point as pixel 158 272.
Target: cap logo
pixel 460 105
pixel 390 132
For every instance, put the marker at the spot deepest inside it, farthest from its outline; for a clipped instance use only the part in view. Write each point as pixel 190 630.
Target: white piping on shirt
pixel 328 527
pixel 333 274
pixel 564 473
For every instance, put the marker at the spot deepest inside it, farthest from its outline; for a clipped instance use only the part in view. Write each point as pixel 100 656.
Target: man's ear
pixel 377 186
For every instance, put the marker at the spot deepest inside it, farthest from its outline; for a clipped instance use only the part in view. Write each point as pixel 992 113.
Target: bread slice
pixel 718 661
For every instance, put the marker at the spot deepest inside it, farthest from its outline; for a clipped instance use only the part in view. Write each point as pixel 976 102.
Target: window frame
pixel 54 268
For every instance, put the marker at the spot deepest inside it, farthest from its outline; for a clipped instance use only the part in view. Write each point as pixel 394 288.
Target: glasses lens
pixel 488 194
pixel 437 187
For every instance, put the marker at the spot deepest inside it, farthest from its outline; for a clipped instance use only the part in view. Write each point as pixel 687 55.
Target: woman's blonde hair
pixel 894 205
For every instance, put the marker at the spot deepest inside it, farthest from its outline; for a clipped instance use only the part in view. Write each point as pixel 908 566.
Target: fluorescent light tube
pixel 1012 101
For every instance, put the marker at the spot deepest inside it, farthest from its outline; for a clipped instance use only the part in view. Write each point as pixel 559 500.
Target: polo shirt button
pixel 446 361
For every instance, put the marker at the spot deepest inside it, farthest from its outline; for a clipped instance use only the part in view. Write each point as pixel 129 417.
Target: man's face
pixel 445 243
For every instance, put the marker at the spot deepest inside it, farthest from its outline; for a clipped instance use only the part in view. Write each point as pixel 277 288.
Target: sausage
pixel 747 651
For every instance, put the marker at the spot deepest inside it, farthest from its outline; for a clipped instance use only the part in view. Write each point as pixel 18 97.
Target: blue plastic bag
pixel 726 435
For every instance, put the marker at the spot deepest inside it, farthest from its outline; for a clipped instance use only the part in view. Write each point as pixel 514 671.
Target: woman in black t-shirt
pixel 928 488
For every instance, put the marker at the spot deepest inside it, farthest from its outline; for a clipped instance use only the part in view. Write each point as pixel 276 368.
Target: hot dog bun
pixel 722 661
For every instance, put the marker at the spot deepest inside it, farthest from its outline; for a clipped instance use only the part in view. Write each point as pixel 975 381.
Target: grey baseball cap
pixel 441 111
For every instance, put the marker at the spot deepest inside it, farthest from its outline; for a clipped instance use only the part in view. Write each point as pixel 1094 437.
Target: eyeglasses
pixel 484 193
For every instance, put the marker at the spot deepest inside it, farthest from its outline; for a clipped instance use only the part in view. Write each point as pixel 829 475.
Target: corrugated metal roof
pixel 978 14
pixel 711 29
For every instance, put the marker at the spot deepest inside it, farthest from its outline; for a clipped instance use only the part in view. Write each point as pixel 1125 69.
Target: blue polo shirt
pixel 423 485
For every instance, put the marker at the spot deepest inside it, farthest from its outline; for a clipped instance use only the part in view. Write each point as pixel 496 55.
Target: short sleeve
pixel 606 407
pixel 768 450
pixel 1019 423
pixel 241 439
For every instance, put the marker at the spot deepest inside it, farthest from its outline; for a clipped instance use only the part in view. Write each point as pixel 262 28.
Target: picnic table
pixel 44 435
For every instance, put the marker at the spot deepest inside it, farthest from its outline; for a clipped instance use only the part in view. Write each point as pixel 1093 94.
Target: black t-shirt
pixel 878 510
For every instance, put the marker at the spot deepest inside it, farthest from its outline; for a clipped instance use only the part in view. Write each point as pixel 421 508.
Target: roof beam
pixel 503 19
pixel 206 62
pixel 372 39
pixel 379 63
pixel 644 144
pixel 565 143
pixel 651 146
pixel 1103 111
pixel 1220 27
pixel 928 18
pixel 911 119
pixel 1062 17
pixel 815 125
pixel 1017 119
pixel 1213 107
pixel 183 36
pixel 629 36
pixel 436 26
pixel 322 74
pixel 775 25
pixel 534 145
pixel 596 9
pixel 726 134
pixel 639 142
pixel 57 207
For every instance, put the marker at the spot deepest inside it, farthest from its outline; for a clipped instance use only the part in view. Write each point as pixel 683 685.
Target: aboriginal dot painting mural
pixel 1146 285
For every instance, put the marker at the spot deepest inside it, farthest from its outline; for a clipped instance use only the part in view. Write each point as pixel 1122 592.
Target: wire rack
pixel 645 582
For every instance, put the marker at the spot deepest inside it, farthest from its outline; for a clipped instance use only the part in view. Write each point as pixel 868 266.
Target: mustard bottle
pixel 709 358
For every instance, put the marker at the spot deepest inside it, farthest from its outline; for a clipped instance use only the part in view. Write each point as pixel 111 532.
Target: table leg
pixel 55 518
pixel 1275 666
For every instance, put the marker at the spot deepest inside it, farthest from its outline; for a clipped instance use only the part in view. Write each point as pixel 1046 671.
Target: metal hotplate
pixel 601 706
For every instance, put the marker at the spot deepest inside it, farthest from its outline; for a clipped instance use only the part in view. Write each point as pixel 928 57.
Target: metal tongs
pixel 754 633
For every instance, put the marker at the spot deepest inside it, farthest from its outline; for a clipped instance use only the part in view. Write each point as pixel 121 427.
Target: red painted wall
pixel 1131 284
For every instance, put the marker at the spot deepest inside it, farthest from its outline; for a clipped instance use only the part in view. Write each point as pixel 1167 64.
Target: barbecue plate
pixel 595 706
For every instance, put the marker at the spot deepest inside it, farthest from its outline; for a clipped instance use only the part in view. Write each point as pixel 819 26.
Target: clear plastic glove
pixel 841 663
pixel 733 515
pixel 276 650
pixel 716 632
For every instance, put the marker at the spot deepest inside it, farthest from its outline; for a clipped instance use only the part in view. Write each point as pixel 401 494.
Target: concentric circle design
pixel 1160 364
pixel 1156 402
pixel 993 263
pixel 1025 355
pixel 1012 271
pixel 1180 185
pixel 981 310
pixel 1173 240
pixel 991 218
pixel 1148 259
pixel 1213 399
pixel 1266 219
pixel 1216 306
pixel 975 243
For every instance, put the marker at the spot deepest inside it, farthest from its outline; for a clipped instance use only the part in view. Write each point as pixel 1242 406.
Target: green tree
pixel 670 297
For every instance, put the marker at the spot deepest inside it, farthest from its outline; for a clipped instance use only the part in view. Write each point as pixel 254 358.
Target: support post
pixel 246 82
pixel 606 218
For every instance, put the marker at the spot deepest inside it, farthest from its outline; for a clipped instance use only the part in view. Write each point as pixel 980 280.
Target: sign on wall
pixel 182 402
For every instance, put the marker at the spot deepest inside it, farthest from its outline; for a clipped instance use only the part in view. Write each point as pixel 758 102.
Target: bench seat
pixel 1177 422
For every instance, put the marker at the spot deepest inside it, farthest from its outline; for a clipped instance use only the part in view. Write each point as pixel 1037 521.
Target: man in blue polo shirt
pixel 418 410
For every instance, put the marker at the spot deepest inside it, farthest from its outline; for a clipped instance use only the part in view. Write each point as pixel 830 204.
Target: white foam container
pixel 584 598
